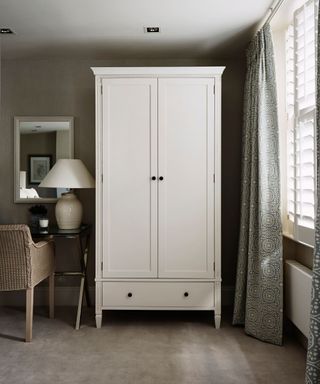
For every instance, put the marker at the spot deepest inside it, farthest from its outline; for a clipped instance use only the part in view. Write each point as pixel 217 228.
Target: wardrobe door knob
pixel 129 294
pixel 186 294
pixel 161 178
pixel 153 178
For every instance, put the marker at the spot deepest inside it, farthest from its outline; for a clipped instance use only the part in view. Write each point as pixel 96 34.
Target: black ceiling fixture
pixel 152 29
pixel 6 31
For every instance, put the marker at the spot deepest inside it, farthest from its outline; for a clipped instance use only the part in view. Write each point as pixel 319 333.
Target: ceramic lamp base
pixel 69 211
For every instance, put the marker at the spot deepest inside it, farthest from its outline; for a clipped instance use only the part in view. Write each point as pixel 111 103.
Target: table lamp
pixel 68 173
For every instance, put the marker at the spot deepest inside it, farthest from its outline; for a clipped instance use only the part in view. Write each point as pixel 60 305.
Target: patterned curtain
pixel 259 286
pixel 313 357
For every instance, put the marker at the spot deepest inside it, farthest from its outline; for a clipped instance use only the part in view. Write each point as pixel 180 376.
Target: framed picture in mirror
pixel 39 166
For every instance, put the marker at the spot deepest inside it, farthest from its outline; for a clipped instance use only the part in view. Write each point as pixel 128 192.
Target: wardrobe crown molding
pixel 159 71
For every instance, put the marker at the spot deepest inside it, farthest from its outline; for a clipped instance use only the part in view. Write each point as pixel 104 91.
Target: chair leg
pixel 51 296
pixel 29 313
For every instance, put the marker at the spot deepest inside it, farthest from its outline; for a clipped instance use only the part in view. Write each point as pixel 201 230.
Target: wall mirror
pixel 38 143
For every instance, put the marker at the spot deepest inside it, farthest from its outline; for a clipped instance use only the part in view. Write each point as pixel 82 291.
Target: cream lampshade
pixel 68 173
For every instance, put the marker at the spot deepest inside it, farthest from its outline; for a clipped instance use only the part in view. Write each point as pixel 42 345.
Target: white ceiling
pixel 114 28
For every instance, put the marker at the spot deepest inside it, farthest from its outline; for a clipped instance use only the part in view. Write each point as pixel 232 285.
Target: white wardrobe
pixel 158 193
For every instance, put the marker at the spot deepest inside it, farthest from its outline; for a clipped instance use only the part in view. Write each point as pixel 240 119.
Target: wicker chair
pixel 23 264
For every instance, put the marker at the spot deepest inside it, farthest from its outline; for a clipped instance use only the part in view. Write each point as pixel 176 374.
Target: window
pixel 301 117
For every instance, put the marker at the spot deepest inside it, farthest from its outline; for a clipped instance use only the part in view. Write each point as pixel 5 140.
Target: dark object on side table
pixel 37 212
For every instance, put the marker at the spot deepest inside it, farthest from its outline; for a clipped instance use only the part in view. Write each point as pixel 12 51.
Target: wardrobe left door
pixel 129 189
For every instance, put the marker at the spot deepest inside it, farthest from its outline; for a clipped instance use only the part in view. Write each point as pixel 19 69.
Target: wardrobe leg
pixel 217 321
pixel 98 320
pixel 217 311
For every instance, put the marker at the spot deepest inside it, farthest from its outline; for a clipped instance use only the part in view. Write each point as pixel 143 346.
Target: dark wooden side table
pixel 82 237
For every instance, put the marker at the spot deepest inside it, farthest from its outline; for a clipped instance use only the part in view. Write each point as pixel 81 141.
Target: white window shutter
pixel 301 101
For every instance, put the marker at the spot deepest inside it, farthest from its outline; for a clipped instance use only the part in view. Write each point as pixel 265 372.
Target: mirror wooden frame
pixel 17 121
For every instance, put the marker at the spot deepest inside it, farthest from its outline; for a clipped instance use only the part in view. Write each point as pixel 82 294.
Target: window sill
pixel 290 237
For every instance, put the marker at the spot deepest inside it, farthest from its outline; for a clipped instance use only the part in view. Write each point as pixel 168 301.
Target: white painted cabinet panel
pixel 186 163
pixel 129 160
pixel 158 170
pixel 158 294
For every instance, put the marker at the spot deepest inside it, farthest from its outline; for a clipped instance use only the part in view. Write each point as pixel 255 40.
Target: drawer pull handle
pixel 186 294
pixel 153 178
pixel 129 294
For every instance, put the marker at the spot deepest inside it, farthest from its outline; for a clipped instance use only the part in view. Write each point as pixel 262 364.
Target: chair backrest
pixel 15 263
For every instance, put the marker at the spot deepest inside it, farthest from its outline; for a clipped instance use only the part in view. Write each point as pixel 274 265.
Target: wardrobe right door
pixel 186 177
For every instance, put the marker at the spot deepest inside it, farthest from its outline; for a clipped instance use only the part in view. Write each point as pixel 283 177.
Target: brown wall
pixel 66 87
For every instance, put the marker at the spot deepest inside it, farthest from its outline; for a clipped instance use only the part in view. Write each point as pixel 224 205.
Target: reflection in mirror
pixel 39 143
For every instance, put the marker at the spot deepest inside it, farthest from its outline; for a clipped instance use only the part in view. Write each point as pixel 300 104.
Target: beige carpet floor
pixel 140 348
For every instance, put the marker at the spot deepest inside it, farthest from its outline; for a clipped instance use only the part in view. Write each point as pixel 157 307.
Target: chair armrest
pixel 42 261
pixel 42 243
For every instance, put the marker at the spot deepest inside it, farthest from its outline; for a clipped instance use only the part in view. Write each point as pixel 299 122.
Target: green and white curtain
pixel 313 358
pixel 259 286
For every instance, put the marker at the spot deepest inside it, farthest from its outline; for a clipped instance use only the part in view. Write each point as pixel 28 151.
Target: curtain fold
pixel 259 286
pixel 313 356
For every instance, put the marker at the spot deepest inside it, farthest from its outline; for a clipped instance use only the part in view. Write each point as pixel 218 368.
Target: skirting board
pixel 68 296
pixel 64 296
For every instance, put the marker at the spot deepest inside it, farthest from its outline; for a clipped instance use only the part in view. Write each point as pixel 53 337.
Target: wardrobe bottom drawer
pixel 158 294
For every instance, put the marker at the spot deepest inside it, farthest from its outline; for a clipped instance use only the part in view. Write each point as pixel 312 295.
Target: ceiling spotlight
pixel 151 29
pixel 6 31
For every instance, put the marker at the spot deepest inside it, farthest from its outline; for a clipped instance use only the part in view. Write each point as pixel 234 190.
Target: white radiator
pixel 298 279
